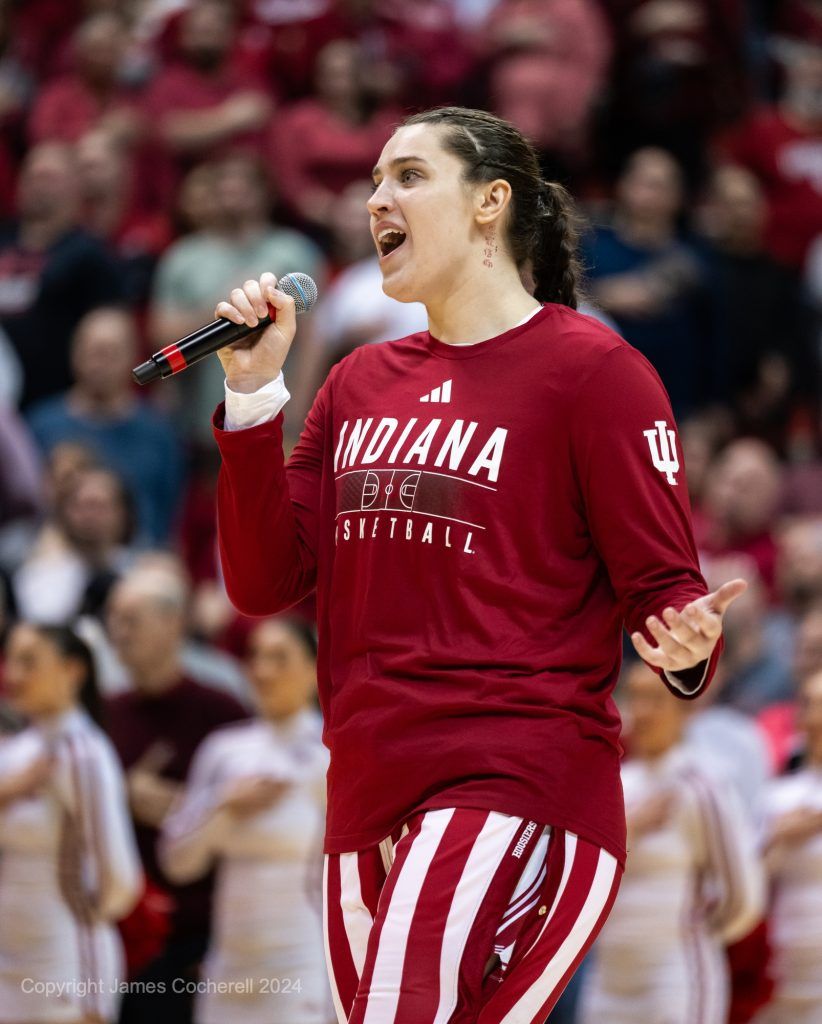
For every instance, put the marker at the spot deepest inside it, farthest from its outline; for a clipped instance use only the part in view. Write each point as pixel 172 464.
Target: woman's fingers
pixel 688 636
pixel 268 283
pixel 676 650
pixel 285 310
pixel 226 311
pixel 726 594
pixel 701 617
pixel 665 640
pixel 680 629
pixel 243 304
pixel 653 655
pixel 254 294
pixel 249 302
pixel 257 359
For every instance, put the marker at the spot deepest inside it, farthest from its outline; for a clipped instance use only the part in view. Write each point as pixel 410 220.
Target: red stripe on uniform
pixel 532 925
pixel 423 953
pixel 401 855
pixel 554 928
pixel 372 878
pixel 551 1001
pixel 342 963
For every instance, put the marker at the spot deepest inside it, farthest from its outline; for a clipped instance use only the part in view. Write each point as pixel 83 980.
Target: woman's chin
pixel 395 287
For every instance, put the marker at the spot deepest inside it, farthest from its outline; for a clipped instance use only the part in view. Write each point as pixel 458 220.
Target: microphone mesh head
pixel 301 288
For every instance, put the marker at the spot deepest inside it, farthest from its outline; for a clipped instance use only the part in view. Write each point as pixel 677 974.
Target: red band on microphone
pixel 176 359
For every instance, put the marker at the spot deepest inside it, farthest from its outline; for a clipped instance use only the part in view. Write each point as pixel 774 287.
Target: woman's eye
pixel 404 177
pixel 374 187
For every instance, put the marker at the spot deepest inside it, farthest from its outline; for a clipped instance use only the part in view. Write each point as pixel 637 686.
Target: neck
pixel 41 233
pixel 657 753
pixel 240 230
pixel 100 87
pixel 104 212
pixel 347 109
pixel 96 553
pixel 486 303
pixel 51 717
pixel 158 678
pixel 639 231
pixel 86 403
pixel 283 717
pixel 741 245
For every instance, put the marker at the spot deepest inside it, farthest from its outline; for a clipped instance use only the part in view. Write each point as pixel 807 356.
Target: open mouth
pixel 389 241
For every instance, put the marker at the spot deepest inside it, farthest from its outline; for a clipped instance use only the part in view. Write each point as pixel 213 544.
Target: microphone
pixel 189 350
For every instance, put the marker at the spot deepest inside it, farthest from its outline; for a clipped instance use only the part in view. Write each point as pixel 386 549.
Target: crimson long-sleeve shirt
pixel 479 522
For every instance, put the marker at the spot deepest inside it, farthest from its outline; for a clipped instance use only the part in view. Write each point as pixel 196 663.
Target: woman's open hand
pixel 688 636
pixel 252 363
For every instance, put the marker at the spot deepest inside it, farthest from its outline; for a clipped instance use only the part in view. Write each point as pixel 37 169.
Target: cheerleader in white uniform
pixel 254 805
pixel 692 883
pixel 69 866
pixel 793 858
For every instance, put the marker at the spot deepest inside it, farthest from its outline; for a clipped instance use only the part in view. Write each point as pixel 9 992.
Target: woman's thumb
pixel 283 310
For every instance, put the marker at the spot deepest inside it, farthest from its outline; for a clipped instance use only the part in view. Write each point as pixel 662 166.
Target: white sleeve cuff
pixel 261 406
pixel 684 687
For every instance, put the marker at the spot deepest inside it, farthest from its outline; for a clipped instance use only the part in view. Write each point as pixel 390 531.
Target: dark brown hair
pixel 73 647
pixel 542 227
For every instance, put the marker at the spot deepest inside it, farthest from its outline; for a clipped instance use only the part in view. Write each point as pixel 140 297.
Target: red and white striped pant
pixel 464 917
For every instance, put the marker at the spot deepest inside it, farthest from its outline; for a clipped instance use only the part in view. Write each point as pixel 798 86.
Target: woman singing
pixel 480 508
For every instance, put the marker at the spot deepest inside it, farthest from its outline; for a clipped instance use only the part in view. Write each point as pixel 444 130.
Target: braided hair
pixel 542 228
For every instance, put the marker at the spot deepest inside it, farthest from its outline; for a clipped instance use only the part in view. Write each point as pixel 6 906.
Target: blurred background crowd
pixel 156 153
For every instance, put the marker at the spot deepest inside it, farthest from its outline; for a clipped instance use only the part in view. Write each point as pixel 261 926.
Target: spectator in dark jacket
pixel 52 271
pixel 650 281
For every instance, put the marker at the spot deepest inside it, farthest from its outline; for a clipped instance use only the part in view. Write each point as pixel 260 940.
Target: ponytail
pixel 555 263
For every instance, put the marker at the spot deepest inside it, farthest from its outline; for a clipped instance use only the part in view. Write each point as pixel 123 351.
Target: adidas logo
pixel 440 394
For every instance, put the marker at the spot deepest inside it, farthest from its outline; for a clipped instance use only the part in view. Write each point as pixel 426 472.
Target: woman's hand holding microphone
pixel 249 365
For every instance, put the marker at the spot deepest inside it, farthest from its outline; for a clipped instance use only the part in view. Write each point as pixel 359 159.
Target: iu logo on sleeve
pixel 662 442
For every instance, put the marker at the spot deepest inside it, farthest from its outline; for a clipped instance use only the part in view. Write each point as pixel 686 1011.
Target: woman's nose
pixel 380 199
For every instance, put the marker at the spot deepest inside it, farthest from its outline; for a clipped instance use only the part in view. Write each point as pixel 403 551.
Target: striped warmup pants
pixel 463 917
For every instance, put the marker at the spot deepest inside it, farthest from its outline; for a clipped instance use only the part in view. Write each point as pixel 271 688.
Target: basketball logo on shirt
pixel 662 442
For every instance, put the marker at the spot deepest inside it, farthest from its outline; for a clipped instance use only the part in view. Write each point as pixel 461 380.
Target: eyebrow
pixel 397 161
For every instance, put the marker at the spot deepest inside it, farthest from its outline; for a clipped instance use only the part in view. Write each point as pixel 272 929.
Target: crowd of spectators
pixel 156 153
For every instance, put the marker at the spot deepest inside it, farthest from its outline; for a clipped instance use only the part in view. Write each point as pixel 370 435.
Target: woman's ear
pixel 493 198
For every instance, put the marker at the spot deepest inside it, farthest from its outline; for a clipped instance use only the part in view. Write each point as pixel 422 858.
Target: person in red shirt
pixel 416 53
pixel 320 145
pixel 782 145
pixel 743 492
pixel 205 101
pixel 480 506
pixel 549 64
pixel 93 95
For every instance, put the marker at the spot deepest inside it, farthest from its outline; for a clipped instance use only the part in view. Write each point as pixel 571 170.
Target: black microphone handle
pixel 194 347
